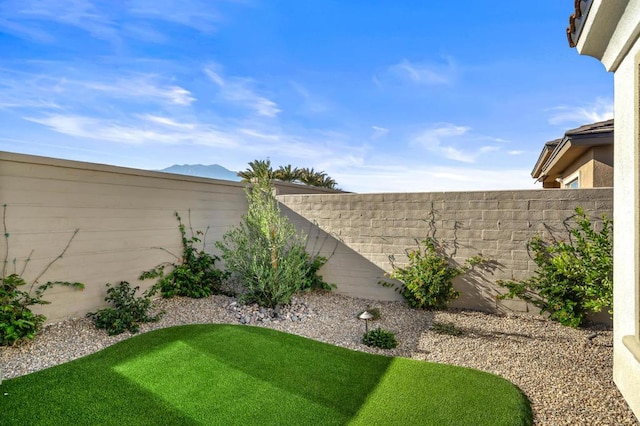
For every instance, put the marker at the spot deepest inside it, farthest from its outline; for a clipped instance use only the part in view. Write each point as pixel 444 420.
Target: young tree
pixel 264 253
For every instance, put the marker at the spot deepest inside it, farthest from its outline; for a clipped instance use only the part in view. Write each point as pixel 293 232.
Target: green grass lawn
pixel 240 375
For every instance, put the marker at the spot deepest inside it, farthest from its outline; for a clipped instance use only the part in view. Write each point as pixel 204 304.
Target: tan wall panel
pixel 496 224
pixel 124 215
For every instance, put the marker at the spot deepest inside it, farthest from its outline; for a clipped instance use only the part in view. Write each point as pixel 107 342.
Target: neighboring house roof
pixel 558 154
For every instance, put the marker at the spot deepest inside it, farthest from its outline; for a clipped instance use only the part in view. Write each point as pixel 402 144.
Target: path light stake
pixel 366 316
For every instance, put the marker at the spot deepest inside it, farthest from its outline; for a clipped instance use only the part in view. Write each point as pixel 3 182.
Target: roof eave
pixel 592 33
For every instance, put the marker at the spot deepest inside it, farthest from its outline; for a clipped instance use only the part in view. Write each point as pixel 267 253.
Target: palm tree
pixel 258 170
pixel 328 182
pixel 287 173
pixel 261 171
pixel 310 177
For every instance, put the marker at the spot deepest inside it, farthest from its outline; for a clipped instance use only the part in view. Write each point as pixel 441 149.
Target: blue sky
pixel 387 96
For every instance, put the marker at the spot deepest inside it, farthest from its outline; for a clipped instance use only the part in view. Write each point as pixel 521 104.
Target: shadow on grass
pixel 229 374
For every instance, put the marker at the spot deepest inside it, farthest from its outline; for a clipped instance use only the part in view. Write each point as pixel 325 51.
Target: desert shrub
pixel 445 328
pixel 427 280
pixel 573 277
pixel 194 274
pixel 127 312
pixel 264 253
pixel 380 338
pixel 17 322
pixel 312 279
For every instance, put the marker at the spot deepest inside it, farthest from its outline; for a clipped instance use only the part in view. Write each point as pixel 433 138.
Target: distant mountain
pixel 213 171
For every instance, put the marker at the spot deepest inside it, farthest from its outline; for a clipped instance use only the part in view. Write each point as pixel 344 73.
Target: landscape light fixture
pixel 366 316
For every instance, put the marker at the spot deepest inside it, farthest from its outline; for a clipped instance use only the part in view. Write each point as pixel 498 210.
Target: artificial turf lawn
pixel 240 375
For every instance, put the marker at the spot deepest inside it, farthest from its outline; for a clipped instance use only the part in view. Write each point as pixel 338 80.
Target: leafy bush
pixel 194 275
pixel 427 281
pixel 17 322
pixel 445 328
pixel 380 338
pixel 264 253
pixel 312 279
pixel 128 311
pixel 573 277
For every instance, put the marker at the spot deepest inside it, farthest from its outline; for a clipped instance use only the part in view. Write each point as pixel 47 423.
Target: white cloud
pixel 428 178
pixel 239 90
pixel 166 121
pixel 111 21
pixel 599 110
pixel 52 90
pixel 423 74
pixel 82 14
pixel 516 152
pixel 139 87
pixel 150 130
pixel 378 132
pixel 197 14
pixel 311 102
pixel 26 31
pixel 437 140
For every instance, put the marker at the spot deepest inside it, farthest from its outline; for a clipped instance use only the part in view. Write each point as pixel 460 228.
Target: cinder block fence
pixel 494 224
pixel 125 216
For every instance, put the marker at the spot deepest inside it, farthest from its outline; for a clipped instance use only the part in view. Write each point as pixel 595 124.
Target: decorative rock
pixel 566 377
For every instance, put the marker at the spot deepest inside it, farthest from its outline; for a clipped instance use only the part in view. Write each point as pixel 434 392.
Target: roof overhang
pixel 558 155
pixel 604 29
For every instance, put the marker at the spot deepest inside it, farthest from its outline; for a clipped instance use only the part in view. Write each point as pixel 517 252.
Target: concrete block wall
pixel 124 216
pixel 494 224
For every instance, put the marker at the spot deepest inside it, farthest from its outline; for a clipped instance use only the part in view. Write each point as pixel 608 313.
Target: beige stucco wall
pixel 626 233
pixel 124 217
pixel 496 224
pixel 594 167
pixel 610 34
pixel 602 166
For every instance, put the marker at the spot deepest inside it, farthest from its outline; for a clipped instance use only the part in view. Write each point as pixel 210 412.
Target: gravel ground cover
pixel 566 373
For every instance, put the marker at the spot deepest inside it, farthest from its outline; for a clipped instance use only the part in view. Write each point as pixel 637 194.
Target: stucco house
pixel 609 31
pixel 582 158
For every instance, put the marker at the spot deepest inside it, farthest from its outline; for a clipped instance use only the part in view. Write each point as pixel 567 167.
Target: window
pixel 574 184
pixel 572 181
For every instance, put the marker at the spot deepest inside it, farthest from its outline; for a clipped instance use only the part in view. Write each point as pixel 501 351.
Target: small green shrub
pixel 264 253
pixel 194 275
pixel 312 280
pixel 427 281
pixel 445 328
pixel 128 311
pixel 573 277
pixel 17 322
pixel 380 338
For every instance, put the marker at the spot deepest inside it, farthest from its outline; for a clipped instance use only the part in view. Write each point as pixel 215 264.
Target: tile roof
pixel 580 138
pixel 590 129
pixel 581 8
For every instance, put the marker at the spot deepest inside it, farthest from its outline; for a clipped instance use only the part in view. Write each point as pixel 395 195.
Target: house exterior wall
pixel 583 167
pixel 595 168
pixel 603 166
pixel 496 224
pixel 626 371
pixel 610 34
